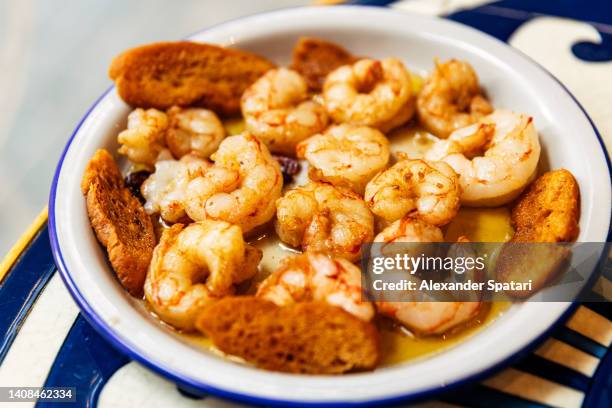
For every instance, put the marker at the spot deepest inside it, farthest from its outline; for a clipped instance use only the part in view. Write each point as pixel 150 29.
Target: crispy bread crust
pixel 119 221
pixel 315 58
pixel 185 73
pixel 523 263
pixel 310 337
pixel 549 210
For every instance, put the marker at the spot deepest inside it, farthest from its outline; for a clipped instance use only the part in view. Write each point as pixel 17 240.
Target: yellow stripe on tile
pixel 326 2
pixel 23 241
pixel 592 325
pixel 603 287
pixel 568 356
pixel 535 388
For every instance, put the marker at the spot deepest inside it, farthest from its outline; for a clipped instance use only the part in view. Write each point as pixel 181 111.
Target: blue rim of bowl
pixel 189 384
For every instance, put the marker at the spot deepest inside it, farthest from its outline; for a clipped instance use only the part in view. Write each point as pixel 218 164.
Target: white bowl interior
pixel 510 79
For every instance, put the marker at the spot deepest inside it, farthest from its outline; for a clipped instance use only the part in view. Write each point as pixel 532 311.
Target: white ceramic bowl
pixel 511 80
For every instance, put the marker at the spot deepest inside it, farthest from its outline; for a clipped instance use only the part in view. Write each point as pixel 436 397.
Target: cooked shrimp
pixel 430 318
pixel 313 276
pixel 425 318
pixel 429 188
pixel 193 130
pixel 194 265
pixel 349 152
pixel 143 139
pixel 451 98
pixel 241 187
pixel 372 93
pixel 324 218
pixel 410 229
pixel 165 190
pixel 277 110
pixel 511 154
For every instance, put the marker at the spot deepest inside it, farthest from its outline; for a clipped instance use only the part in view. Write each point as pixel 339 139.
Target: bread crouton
pixel 536 263
pixel 309 338
pixel 549 210
pixel 184 73
pixel 314 59
pixel 119 221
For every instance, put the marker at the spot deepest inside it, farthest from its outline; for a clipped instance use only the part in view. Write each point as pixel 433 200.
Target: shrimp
pixel 430 318
pixel 194 265
pixel 410 229
pixel 277 110
pixel 143 139
pixel 312 276
pixel 165 190
pixel 324 218
pixel 241 187
pixel 193 130
pixel 429 188
pixel 451 98
pixel 509 162
pixel 371 93
pixel 349 152
pixel 407 229
pixel 425 318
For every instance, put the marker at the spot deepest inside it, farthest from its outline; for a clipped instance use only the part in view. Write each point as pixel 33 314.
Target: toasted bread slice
pixel 546 212
pixel 119 221
pixel 311 337
pixel 315 58
pixel 535 263
pixel 549 210
pixel 185 73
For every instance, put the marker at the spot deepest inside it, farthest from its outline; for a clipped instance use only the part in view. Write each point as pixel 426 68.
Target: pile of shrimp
pixel 216 192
